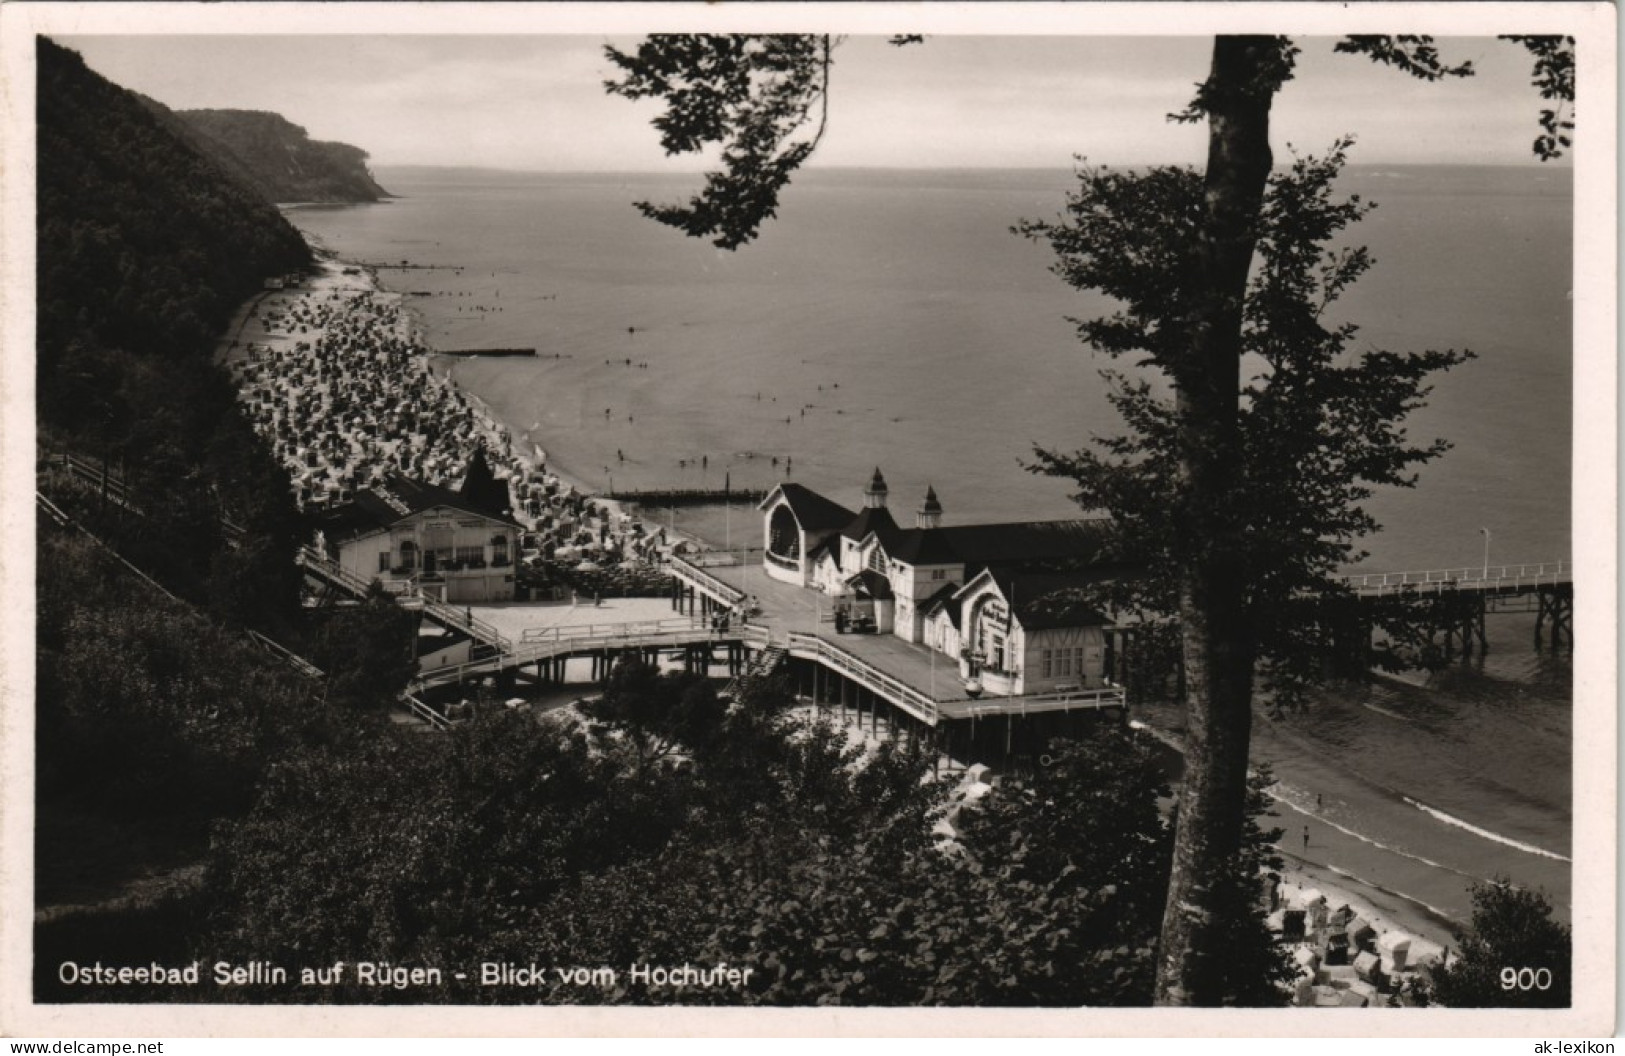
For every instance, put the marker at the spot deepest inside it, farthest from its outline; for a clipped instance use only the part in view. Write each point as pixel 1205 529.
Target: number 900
pixel 1526 978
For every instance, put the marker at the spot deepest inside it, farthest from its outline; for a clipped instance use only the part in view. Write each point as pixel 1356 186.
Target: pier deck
pixel 911 677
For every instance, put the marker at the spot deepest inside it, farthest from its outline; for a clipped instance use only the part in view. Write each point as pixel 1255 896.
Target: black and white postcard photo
pixel 809 519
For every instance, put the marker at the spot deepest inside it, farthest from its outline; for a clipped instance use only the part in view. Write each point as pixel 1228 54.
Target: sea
pixel 891 319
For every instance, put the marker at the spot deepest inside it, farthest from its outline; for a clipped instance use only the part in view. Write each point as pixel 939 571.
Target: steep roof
pixel 920 546
pixel 980 545
pixel 1042 601
pixel 989 544
pixel 974 545
pixel 829 545
pixel 871 584
pixel 482 490
pixel 812 511
pixel 943 600
pixel 872 519
pixel 398 498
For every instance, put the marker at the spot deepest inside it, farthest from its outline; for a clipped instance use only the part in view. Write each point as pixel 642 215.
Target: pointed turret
pixel 929 515
pixel 874 496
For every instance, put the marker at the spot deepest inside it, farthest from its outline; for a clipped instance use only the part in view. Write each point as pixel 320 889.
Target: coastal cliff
pixel 143 245
pixel 277 157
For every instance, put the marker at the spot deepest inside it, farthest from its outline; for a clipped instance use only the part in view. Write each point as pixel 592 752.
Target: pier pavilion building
pixel 1002 601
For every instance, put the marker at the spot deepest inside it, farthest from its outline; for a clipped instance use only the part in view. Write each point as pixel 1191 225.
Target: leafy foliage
pixel 144 250
pixel 830 889
pixel 1321 422
pixel 145 711
pixel 749 94
pixel 1554 77
pixel 368 653
pixel 527 841
pixel 1512 928
pixel 1269 65
pixel 1231 535
pixel 755 94
pixel 144 245
pixel 1413 55
pixel 400 846
pixel 153 718
pixel 654 715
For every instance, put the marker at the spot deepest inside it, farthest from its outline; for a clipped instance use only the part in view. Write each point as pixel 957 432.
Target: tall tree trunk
pixel 1217 645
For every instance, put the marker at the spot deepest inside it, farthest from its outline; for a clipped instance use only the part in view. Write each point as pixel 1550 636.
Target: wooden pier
pixel 1463 596
pixel 881 682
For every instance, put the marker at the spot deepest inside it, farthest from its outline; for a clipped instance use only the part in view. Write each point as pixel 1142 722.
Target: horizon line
pixel 1533 163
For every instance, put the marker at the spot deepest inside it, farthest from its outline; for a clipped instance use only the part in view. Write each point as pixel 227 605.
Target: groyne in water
pixel 485 352
pixel 689 496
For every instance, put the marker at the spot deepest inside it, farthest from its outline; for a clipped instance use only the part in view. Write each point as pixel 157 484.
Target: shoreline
pixel 315 332
pixel 1387 909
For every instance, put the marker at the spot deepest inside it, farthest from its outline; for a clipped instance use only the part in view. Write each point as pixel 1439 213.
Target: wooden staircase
pixel 762 665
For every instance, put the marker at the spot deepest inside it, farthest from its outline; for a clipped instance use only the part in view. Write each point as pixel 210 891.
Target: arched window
pixel 990 629
pixel 783 534
pixel 499 549
pixel 409 554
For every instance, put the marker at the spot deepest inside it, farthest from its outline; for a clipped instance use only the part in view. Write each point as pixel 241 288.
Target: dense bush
pixel 1516 955
pixel 144 707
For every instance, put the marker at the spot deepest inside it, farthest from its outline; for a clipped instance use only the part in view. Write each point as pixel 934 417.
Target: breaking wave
pixel 1450 819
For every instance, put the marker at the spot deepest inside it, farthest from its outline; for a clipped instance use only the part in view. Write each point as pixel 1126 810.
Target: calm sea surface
pixel 891 319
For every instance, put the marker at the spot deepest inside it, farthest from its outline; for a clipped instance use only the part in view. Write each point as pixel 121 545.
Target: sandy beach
pixel 1376 805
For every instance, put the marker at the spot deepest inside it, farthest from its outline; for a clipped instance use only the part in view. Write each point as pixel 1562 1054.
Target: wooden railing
pixel 464 620
pixel 417 706
pixel 1036 703
pixel 690 496
pixel 789 564
pixel 314 560
pixel 932 710
pixel 288 656
pixel 577 631
pixel 115 489
pixel 1480 578
pixel 460 618
pixel 899 693
pixel 617 638
pixel 684 569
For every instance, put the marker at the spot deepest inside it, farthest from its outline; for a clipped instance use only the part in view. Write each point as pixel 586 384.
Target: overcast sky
pixel 537 102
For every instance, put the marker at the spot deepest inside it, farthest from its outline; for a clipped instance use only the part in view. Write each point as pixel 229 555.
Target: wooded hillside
pixel 279 159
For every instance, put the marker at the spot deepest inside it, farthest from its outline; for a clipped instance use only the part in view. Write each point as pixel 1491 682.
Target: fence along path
pixel 563 641
pixel 281 652
pixel 312 560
